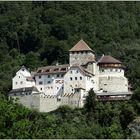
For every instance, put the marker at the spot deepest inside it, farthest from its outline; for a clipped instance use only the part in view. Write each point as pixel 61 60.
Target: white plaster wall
pixel 112 71
pixel 114 84
pixel 94 69
pixel 24 72
pixel 16 81
pixel 71 84
pixel 52 85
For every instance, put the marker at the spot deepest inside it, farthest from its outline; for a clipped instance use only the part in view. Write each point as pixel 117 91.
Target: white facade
pixel 50 84
pixel 113 80
pixel 22 79
pixel 76 78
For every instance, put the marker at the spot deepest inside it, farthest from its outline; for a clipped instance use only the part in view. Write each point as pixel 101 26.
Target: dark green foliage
pixel 41 33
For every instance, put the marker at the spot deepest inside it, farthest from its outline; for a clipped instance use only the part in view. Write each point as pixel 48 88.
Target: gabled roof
pixel 107 59
pixel 81 46
pixel 83 70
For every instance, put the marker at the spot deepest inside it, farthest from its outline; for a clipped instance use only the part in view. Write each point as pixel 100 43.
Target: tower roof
pixel 109 60
pixel 81 46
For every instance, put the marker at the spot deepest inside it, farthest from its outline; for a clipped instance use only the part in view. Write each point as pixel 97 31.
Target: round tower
pixel 110 66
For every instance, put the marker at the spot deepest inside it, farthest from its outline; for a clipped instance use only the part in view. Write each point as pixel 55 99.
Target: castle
pixel 68 84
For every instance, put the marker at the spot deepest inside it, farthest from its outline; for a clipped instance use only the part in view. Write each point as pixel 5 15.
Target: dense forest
pixel 41 33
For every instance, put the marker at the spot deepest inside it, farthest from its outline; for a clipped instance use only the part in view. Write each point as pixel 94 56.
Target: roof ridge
pixel 108 59
pixel 81 46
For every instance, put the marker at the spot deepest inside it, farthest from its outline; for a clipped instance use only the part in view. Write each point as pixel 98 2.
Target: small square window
pixel 48 76
pixel 40 82
pixel 103 70
pixel 71 78
pixel 40 77
pixel 48 82
pixel 75 78
pixel 57 75
pixel 21 82
pixel 80 78
pixel 16 83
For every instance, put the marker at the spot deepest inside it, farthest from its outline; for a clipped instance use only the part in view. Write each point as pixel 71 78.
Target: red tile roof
pixel 81 46
pixel 107 59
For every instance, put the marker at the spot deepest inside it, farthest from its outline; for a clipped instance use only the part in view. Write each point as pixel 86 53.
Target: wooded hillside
pixel 41 33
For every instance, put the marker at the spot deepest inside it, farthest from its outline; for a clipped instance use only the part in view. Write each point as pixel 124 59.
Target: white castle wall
pixel 69 84
pixel 113 84
pixel 29 101
pixel 74 99
pixel 48 104
pixel 51 85
pixel 20 80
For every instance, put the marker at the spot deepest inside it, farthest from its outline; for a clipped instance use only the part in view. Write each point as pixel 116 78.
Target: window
pixel 62 87
pixel 57 69
pixel 48 82
pixel 48 76
pixel 40 77
pixel 71 78
pixel 21 82
pixel 16 83
pixel 57 87
pixel 103 70
pixel 19 76
pixel 62 75
pixel 71 71
pixel 57 75
pixel 75 78
pixel 80 78
pixel 110 69
pixel 77 71
pixel 120 70
pixel 116 70
pixel 40 82
pixel 47 70
pixel 39 71
pixel 40 88
pixel 63 69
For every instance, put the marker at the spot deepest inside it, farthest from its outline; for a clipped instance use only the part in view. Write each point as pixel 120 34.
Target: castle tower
pixel 80 54
pixel 111 75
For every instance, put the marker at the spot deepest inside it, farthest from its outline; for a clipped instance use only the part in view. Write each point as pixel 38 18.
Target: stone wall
pixel 113 84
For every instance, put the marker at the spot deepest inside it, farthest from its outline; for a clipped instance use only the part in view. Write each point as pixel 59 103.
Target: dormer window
pixel 57 69
pixel 48 70
pixel 63 69
pixel 39 71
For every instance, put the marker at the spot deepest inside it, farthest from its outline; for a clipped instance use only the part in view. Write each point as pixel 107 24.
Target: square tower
pixel 80 54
